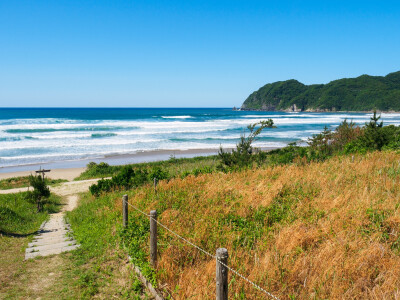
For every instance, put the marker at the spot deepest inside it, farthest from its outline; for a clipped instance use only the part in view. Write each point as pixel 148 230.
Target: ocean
pixel 32 136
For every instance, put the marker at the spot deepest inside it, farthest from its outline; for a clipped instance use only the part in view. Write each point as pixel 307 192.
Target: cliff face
pixel 363 93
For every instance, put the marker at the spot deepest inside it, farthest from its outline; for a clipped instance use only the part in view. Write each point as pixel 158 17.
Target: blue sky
pixel 185 53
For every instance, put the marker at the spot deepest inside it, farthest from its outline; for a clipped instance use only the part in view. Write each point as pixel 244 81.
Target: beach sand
pixel 71 169
pixel 67 174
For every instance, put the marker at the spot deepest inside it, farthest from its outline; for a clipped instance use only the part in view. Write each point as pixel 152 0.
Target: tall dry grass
pixel 319 230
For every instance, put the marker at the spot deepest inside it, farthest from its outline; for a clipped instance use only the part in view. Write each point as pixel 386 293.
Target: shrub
pixel 158 173
pixel 287 154
pixel 321 144
pixel 345 133
pixel 40 193
pixel 128 178
pixel 243 156
pixel 94 170
pixel 374 138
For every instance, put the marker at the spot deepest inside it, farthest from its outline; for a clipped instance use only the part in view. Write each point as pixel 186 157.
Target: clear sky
pixel 205 53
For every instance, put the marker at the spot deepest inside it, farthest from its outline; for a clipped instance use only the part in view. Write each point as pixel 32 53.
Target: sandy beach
pixel 67 174
pixel 69 170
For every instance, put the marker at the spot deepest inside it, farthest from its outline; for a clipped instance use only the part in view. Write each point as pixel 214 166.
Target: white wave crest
pixel 176 117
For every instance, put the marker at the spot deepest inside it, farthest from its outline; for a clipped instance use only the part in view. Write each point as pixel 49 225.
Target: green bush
pixel 286 155
pixel 40 193
pixel 158 173
pixel 128 178
pixel 100 170
pixel 374 137
pixel 242 155
pixel 321 144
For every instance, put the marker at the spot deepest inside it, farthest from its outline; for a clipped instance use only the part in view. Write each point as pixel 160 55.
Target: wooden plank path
pixel 54 237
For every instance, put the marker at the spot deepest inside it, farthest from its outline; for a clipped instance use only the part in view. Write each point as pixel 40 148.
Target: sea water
pixel 43 135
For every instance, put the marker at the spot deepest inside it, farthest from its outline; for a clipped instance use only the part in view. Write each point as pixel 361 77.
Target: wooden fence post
pixel 222 274
pixel 153 238
pixel 155 185
pixel 125 210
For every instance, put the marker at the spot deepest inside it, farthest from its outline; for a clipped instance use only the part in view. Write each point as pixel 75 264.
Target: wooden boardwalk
pixel 54 237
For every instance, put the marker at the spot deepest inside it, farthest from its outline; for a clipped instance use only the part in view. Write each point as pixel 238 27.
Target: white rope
pixel 138 210
pixel 182 238
pixel 248 280
pixel 213 256
pixel 207 253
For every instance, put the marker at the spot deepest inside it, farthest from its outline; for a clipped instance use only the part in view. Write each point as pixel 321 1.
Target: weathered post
pixel 125 210
pixel 155 185
pixel 222 274
pixel 153 238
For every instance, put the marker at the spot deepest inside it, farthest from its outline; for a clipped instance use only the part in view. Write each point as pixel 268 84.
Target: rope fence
pixel 222 277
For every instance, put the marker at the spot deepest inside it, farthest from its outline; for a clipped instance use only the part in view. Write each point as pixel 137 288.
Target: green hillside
pixel 364 93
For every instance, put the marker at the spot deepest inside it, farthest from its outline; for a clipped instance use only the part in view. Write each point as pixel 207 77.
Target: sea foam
pixel 82 134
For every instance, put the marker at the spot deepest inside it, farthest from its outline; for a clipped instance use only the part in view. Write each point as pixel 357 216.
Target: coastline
pixel 70 169
pixel 320 111
pixel 51 142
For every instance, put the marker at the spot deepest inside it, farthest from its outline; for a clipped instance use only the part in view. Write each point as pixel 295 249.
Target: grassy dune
pixel 319 230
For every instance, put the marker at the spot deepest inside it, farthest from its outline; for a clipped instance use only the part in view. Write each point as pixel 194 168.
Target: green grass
pixel 95 265
pixel 18 215
pixel 98 269
pixel 174 166
pixel 19 221
pixel 23 181
pixel 135 238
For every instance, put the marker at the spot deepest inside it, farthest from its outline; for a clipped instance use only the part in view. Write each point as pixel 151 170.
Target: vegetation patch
pixel 173 166
pixel 346 139
pixel 19 221
pixel 19 216
pixel 249 229
pixel 23 181
pixel 135 238
pixel 99 267
pixel 284 226
pixel 363 93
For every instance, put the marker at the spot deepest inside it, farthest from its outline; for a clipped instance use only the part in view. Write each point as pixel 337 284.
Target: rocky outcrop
pixel 293 108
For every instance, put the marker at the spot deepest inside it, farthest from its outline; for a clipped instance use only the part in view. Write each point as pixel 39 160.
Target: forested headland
pixel 364 93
